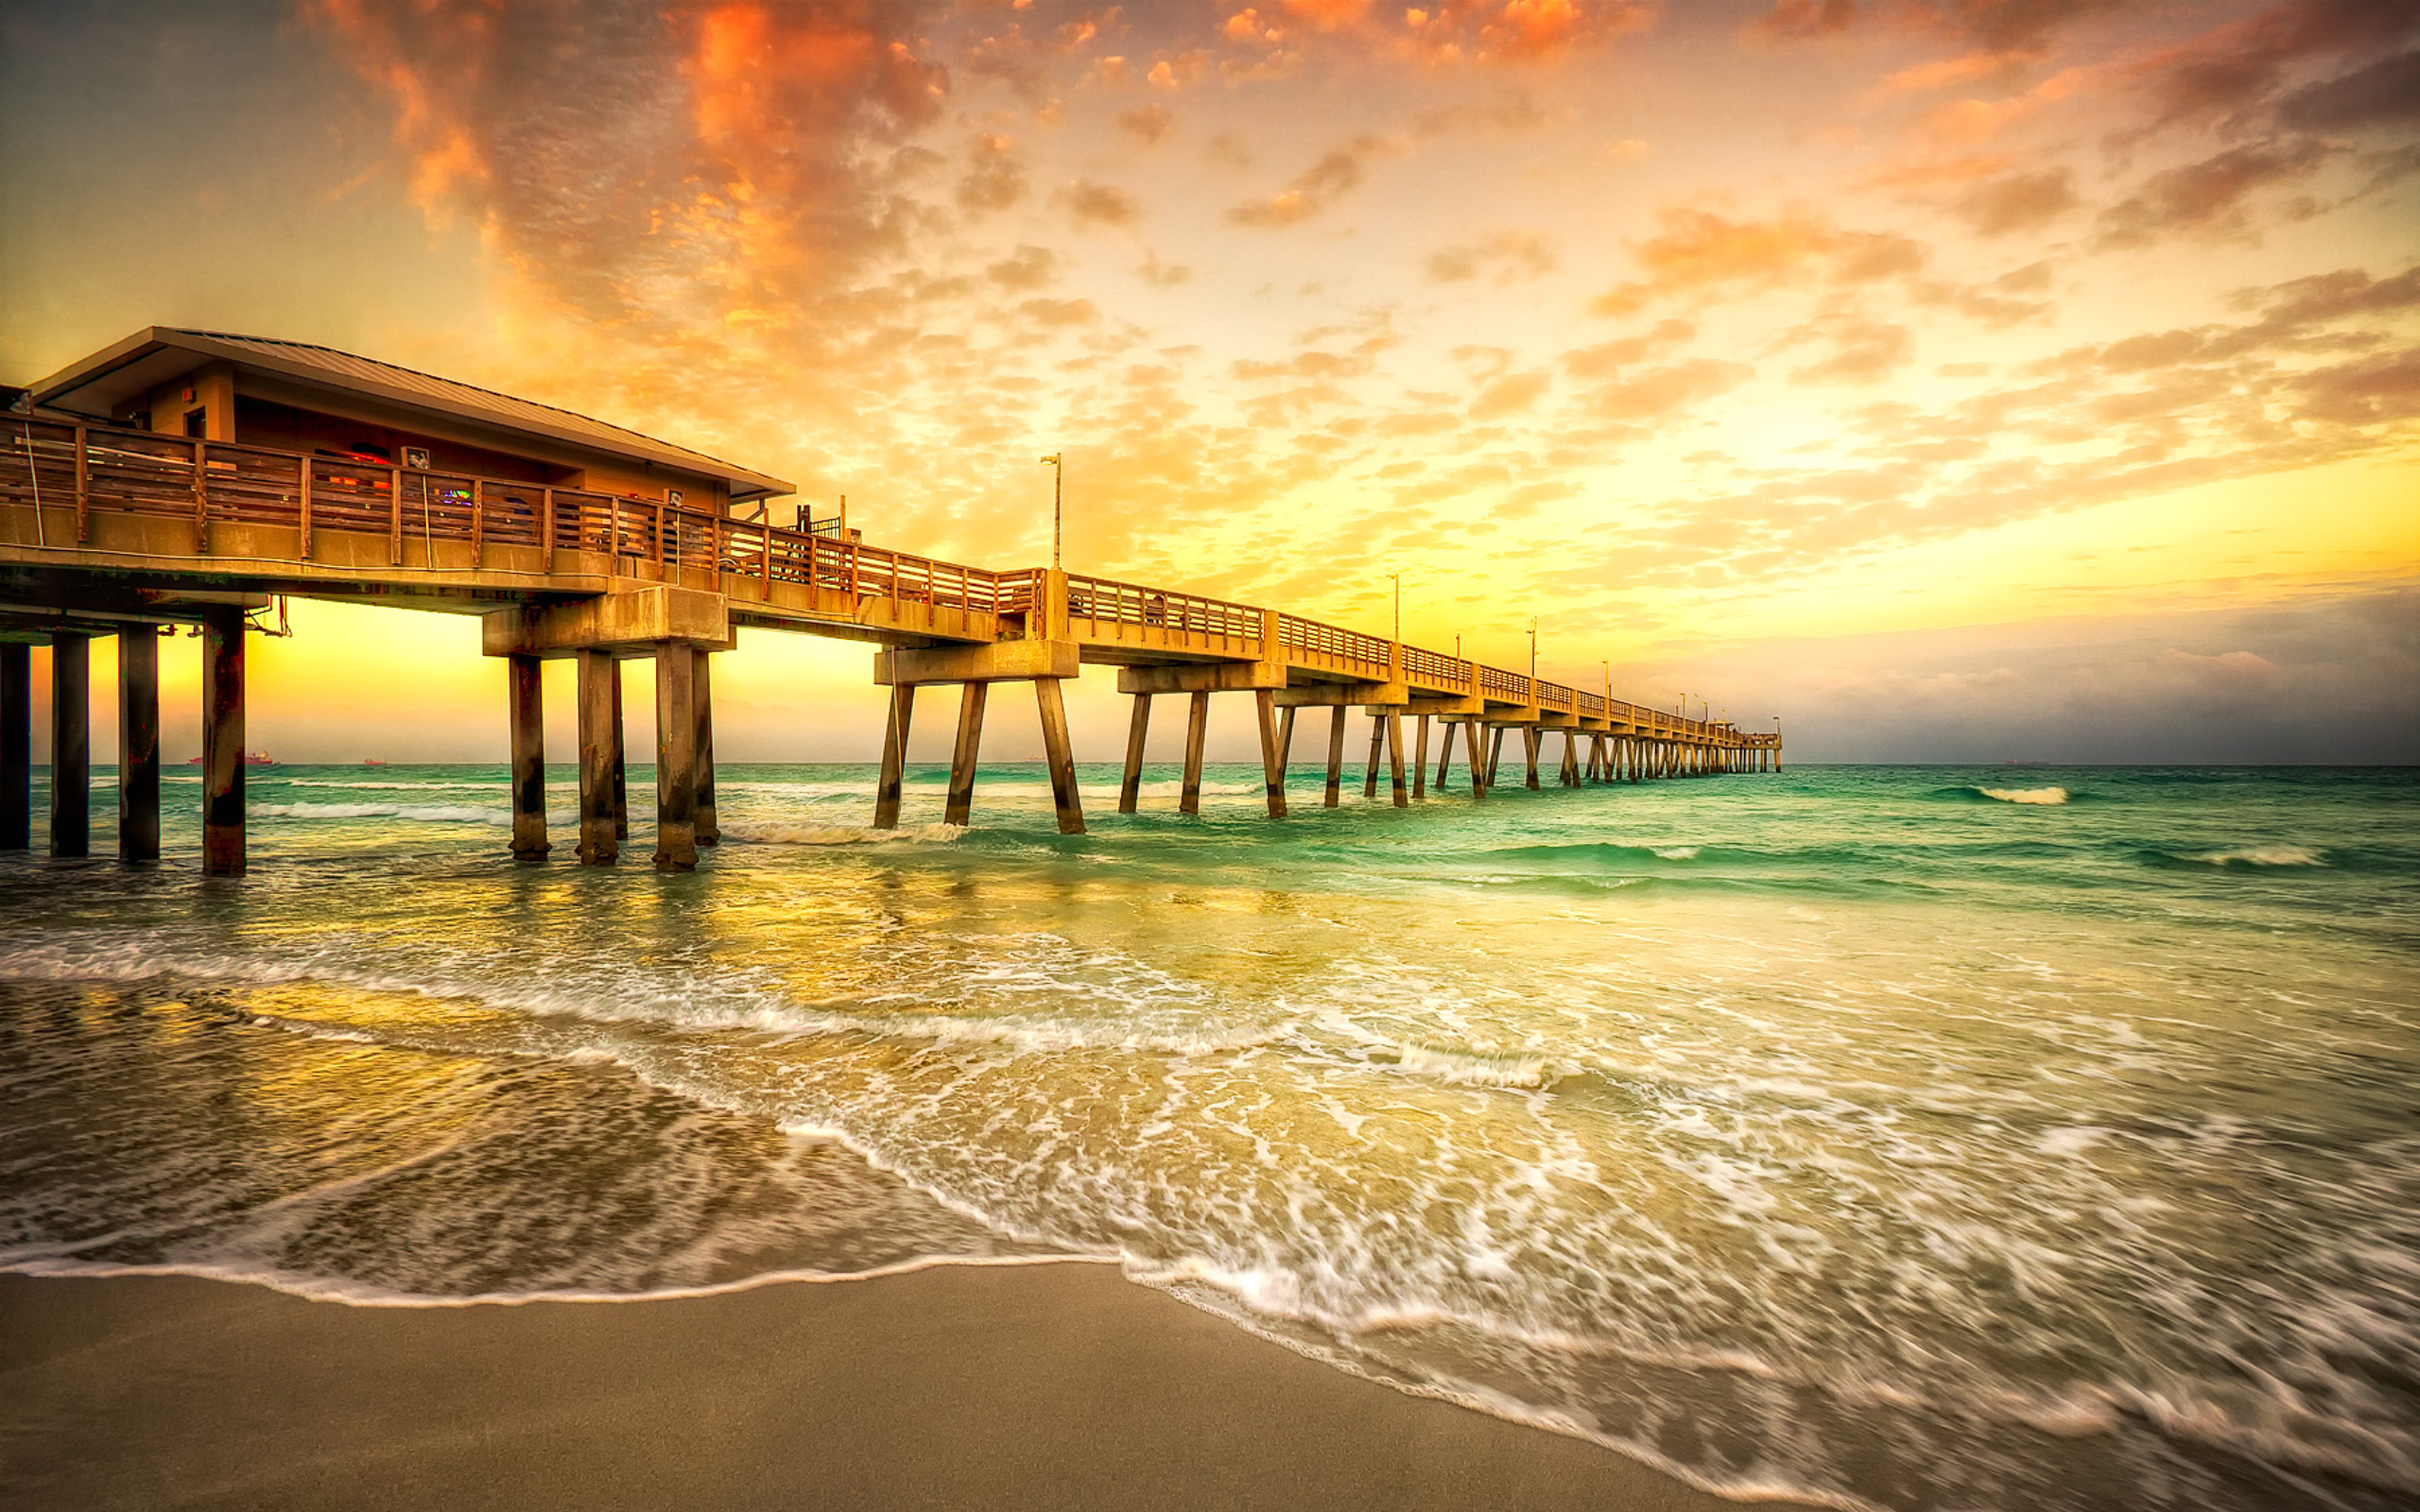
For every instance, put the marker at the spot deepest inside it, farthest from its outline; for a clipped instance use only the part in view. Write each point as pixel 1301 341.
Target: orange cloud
pixel 1700 249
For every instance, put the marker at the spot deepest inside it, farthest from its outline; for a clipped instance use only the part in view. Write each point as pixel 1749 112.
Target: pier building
pixel 188 477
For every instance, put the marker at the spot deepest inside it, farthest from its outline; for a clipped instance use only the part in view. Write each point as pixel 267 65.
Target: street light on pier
pixel 1058 501
pixel 1397 580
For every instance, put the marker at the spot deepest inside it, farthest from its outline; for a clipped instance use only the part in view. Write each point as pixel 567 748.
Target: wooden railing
pixel 64 466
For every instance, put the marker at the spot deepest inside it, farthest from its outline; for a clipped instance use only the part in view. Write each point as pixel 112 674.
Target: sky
pixel 1946 380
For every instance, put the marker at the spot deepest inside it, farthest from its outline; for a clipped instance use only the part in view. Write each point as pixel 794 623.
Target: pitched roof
pixel 102 381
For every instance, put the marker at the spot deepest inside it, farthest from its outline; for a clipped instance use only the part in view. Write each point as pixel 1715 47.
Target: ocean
pixel 1901 1138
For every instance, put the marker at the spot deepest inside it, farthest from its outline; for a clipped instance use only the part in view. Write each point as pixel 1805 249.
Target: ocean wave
pixel 1479 1068
pixel 755 833
pixel 2025 795
pixel 2263 855
pixel 427 813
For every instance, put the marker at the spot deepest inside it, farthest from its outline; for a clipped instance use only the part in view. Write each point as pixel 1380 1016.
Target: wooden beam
pixel 302 506
pixel 394 517
pixel 525 713
pixel 1130 783
pixel 600 756
pixel 84 488
pixel 701 700
pixel 138 744
pixel 1272 750
pixel 894 756
pixel 222 742
pixel 1377 743
pixel 71 744
pixel 201 499
pixel 676 758
pixel 1444 753
pixel 1471 758
pixel 963 756
pixel 1060 755
pixel 622 775
pixel 1197 735
pixel 1420 760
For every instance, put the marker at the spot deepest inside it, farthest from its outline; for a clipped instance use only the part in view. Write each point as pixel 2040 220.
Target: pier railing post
pixel 1197 735
pixel 1059 755
pixel 16 746
pixel 601 755
pixel 1272 750
pixel 894 756
pixel 138 743
pixel 71 744
pixel 1130 783
pixel 963 756
pixel 676 758
pixel 525 711
pixel 222 742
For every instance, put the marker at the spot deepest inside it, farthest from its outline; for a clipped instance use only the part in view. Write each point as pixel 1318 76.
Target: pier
pixel 184 478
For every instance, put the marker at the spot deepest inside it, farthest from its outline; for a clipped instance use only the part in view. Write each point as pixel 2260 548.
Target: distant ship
pixel 374 761
pixel 252 758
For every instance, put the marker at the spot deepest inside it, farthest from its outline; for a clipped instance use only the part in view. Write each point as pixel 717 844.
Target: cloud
pixel 1336 174
pixel 1998 31
pixel 2208 199
pixel 1656 392
pixel 1510 395
pixel 2231 70
pixel 1699 249
pixel 1508 256
pixel 997 179
pixel 1099 204
pixel 1148 123
pixel 1863 351
pixel 2385 95
pixel 1028 267
pixel 2016 202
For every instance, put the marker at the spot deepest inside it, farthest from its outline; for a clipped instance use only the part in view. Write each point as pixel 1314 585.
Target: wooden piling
pixel 1394 757
pixel 701 700
pixel 1377 743
pixel 1335 758
pixel 1420 760
pixel 1272 750
pixel 222 742
pixel 600 756
pixel 1496 753
pixel 16 747
pixel 1531 740
pixel 1197 733
pixel 620 782
pixel 1471 758
pixel 894 756
pixel 966 753
pixel 1445 751
pixel 525 711
pixel 1130 785
pixel 138 744
pixel 1060 755
pixel 676 758
pixel 1570 759
pixel 71 744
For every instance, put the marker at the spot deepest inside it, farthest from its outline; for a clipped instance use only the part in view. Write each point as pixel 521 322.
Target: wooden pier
pixel 183 477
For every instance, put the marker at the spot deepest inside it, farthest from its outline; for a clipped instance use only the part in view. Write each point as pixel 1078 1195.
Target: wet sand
pixel 1057 1386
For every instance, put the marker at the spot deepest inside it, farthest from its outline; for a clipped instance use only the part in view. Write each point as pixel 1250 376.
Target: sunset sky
pixel 1952 379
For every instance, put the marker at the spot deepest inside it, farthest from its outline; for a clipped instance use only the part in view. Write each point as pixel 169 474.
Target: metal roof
pixel 100 383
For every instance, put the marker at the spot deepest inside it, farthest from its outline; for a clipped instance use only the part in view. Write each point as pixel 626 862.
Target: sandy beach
pixel 1055 1386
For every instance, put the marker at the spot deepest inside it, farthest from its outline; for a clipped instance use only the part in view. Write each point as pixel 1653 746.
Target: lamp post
pixel 1533 659
pixel 1397 580
pixel 1058 501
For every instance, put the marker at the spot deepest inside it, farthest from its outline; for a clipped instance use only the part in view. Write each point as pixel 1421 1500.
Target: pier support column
pixel 601 757
pixel 222 742
pixel 1335 758
pixel 1377 744
pixel 701 698
pixel 1394 757
pixel 1473 759
pixel 1420 760
pixel 71 744
pixel 676 758
pixel 1446 751
pixel 1130 785
pixel 964 755
pixel 1570 759
pixel 894 756
pixel 524 708
pixel 1059 756
pixel 1197 734
pixel 620 787
pixel 138 744
pixel 1532 737
pixel 16 747
pixel 1273 749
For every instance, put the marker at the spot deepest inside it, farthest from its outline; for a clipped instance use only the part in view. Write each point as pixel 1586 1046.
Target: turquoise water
pixel 1907 1137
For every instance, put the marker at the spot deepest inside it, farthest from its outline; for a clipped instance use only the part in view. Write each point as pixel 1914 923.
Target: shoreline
pixel 1039 1386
